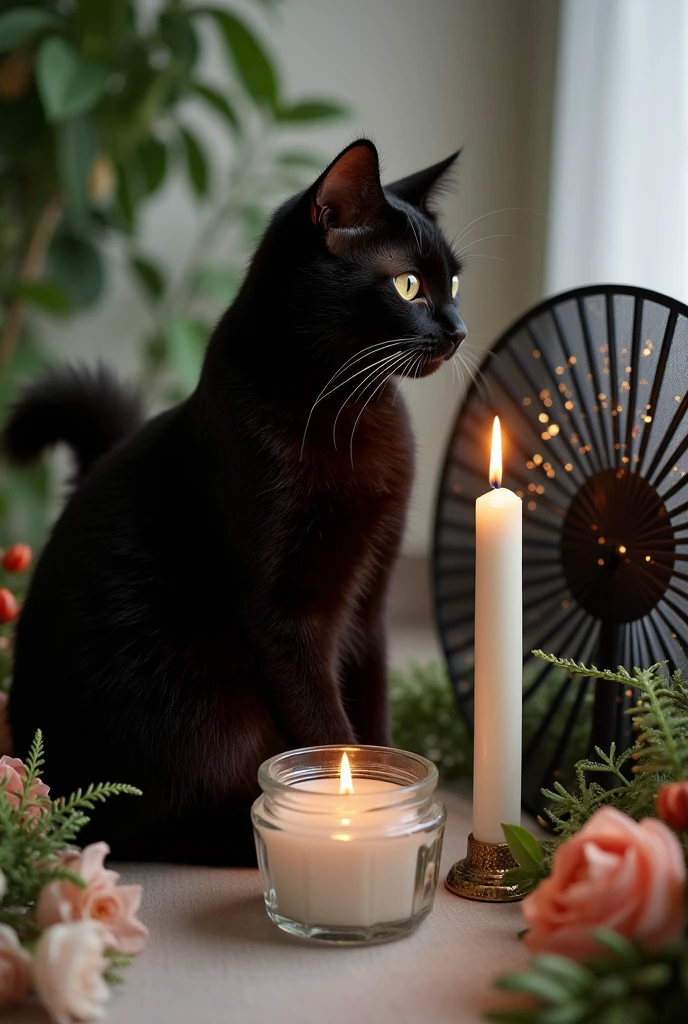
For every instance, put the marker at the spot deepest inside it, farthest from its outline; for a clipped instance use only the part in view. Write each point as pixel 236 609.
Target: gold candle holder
pixel 480 875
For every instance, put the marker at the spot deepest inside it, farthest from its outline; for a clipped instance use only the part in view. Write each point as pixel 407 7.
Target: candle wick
pixel 496 486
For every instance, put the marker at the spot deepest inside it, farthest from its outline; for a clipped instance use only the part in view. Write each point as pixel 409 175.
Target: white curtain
pixel 619 200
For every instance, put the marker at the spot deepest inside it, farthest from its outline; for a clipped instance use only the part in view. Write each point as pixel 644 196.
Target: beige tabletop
pixel 214 956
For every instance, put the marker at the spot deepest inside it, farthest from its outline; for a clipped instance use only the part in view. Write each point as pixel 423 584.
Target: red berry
pixel 17 558
pixel 672 805
pixel 8 605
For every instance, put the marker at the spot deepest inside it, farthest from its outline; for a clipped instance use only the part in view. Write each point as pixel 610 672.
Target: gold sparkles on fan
pixel 592 391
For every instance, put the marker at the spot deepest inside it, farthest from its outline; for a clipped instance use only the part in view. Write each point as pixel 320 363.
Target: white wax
pixel 498 664
pixel 340 870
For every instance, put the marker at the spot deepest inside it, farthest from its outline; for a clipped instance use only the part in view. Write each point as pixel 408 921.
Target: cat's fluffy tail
pixel 89 410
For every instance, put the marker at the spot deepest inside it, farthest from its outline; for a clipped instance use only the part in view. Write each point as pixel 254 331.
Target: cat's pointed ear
pixel 349 194
pixel 420 189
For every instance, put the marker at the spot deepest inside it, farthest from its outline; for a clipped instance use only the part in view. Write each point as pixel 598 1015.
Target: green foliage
pixel 532 855
pixel 68 83
pixel 31 842
pixel 425 719
pixel 659 754
pixel 91 93
pixel 628 985
pixel 253 65
pixel 569 810
pixel 21 22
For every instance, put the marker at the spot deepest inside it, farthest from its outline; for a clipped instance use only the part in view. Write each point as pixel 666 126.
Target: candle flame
pixel 496 455
pixel 346 783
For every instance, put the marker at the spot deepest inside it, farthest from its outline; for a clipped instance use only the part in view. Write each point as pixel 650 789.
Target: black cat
pixel 214 590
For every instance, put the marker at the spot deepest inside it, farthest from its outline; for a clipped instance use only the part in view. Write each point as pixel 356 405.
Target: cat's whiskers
pixel 455 372
pixel 378 346
pixel 473 370
pixel 401 373
pixel 389 375
pixel 486 238
pixel 415 235
pixel 493 213
pixel 378 369
pixel 467 257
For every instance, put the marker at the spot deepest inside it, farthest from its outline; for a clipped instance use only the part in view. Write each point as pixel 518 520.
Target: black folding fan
pixel 592 391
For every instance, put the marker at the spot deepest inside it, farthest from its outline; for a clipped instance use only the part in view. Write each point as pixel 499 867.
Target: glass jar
pixel 352 867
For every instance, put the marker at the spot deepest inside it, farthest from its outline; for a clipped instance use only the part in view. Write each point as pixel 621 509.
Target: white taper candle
pixel 498 656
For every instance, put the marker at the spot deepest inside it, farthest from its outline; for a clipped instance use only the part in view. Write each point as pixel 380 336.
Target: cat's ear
pixel 421 188
pixel 349 194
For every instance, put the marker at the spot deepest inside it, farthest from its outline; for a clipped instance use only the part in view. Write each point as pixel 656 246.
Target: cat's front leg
pixel 296 656
pixel 364 681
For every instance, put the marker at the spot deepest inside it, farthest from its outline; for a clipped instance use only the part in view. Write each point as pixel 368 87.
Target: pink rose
pixel 616 873
pixel 14 968
pixel 5 731
pixel 114 906
pixel 672 805
pixel 12 769
pixel 68 968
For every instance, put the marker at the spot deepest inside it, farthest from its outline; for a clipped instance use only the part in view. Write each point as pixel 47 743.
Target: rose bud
pixel 17 558
pixel 8 606
pixel 672 805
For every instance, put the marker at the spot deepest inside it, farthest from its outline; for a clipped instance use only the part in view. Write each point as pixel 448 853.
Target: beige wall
pixel 423 78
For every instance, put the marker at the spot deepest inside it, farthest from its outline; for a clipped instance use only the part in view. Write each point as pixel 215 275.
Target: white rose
pixel 14 967
pixel 68 968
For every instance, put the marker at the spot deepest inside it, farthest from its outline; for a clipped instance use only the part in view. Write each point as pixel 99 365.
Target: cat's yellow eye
pixel 407 285
pixel 455 286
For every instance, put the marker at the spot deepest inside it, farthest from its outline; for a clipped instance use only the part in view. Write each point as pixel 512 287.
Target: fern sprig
pixel 33 765
pixel 660 718
pixel 95 793
pixel 628 985
pixel 30 843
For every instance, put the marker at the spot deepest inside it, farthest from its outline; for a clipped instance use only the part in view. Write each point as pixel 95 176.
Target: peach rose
pixel 12 769
pixel 672 805
pixel 68 968
pixel 14 967
pixel 114 906
pixel 617 873
pixel 5 731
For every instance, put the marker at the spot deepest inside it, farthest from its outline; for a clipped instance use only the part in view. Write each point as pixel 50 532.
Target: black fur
pixel 214 590
pixel 88 410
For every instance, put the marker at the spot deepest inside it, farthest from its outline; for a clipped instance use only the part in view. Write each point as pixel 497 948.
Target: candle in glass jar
pixel 498 655
pixel 350 854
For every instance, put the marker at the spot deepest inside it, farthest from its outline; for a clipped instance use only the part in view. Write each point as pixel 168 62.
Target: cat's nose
pixel 453 327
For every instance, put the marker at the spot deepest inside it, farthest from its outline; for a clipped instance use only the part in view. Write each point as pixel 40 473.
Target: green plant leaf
pixel 68 83
pixel 254 219
pixel 77 145
pixel 185 340
pixel 300 158
pixel 149 276
pixel 311 110
pixel 548 989
pixel 76 267
pixel 253 65
pixel 106 23
pixel 217 282
pixel 132 186
pixel 524 847
pixel 218 102
pixel 178 33
pixel 21 22
pixel 44 294
pixel 196 162
pixel 152 155
pixel 616 943
pixel 576 978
